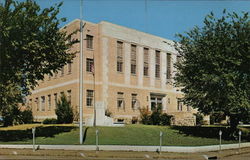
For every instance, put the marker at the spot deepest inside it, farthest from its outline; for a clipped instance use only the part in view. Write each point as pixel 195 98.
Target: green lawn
pixel 129 135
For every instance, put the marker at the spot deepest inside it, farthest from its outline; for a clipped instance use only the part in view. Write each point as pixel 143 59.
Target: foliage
pixel 64 110
pixel 145 116
pixel 31 46
pixel 199 119
pixel 156 117
pixel 108 113
pixel 50 121
pixel 217 117
pixel 165 119
pixel 26 116
pixel 13 115
pixel 214 69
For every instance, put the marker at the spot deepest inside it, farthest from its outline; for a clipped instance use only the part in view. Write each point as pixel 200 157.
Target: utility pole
pixel 81 75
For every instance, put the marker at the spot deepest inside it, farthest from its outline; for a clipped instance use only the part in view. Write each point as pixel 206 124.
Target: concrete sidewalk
pixel 183 149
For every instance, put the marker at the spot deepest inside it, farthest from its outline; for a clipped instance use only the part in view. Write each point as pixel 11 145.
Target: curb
pixel 180 149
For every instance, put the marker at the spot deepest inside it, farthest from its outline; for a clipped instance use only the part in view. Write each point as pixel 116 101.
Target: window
pixel 55 99
pixel 37 103
pixel 69 68
pixel 168 66
pixel 90 95
pixel 133 59
pixel 119 56
pixel 179 104
pixel 61 93
pixel 90 65
pixel 120 100
pixel 49 102
pixel 43 103
pixel 157 64
pixel 62 71
pixel 146 59
pixel 89 39
pixel 69 95
pixel 134 101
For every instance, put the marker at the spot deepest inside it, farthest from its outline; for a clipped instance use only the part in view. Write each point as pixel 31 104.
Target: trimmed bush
pixel 165 119
pixel 50 121
pixel 64 111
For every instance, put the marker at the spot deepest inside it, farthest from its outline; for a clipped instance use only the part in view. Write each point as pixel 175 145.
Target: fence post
pixel 220 133
pixel 160 141
pixel 34 134
pixel 239 139
pixel 96 139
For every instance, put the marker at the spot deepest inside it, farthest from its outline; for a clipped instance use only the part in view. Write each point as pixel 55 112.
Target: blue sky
pixel 163 18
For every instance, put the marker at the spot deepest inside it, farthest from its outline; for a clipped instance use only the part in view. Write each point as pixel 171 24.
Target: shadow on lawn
pixel 17 135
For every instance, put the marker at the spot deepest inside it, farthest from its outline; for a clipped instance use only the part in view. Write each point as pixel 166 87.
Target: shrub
pixel 50 121
pixel 165 119
pixel 11 115
pixel 156 116
pixel 26 116
pixel 217 117
pixel 145 116
pixel 199 119
pixel 64 110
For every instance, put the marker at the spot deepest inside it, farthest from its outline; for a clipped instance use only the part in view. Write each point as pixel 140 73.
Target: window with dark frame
pixel 55 99
pixel 168 66
pixel 37 103
pixel 133 100
pixel 69 68
pixel 49 102
pixel 179 104
pixel 89 98
pixel 119 57
pixel 69 96
pixel 43 103
pixel 146 60
pixel 120 100
pixel 157 64
pixel 133 59
pixel 90 65
pixel 89 41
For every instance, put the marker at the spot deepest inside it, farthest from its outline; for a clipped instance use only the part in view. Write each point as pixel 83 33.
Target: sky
pixel 164 18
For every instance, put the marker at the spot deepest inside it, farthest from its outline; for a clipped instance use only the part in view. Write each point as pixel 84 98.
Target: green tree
pixel 214 69
pixel 64 110
pixel 31 46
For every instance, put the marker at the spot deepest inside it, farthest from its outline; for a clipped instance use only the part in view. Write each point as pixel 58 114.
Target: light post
pixel 96 139
pixel 81 77
pixel 33 133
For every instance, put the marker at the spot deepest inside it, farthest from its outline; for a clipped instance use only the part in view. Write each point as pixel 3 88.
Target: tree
pixel 214 69
pixel 64 110
pixel 31 46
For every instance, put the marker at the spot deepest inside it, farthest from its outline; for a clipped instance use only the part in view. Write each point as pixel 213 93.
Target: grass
pixel 128 135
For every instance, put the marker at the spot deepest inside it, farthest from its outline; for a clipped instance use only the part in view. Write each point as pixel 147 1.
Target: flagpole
pixel 81 76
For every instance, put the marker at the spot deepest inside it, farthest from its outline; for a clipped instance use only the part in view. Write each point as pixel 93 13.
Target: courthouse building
pixel 124 70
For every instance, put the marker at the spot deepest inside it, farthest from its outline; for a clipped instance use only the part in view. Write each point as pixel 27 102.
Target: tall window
pixel 119 56
pixel 120 100
pixel 69 68
pixel 168 66
pixel 134 100
pixel 89 40
pixel 157 64
pixel 43 103
pixel 90 96
pixel 37 103
pixel 133 59
pixel 179 104
pixel 55 99
pixel 62 71
pixel 146 59
pixel 49 102
pixel 69 95
pixel 90 65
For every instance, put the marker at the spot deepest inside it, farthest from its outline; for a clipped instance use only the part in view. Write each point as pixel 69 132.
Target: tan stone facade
pixel 124 70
